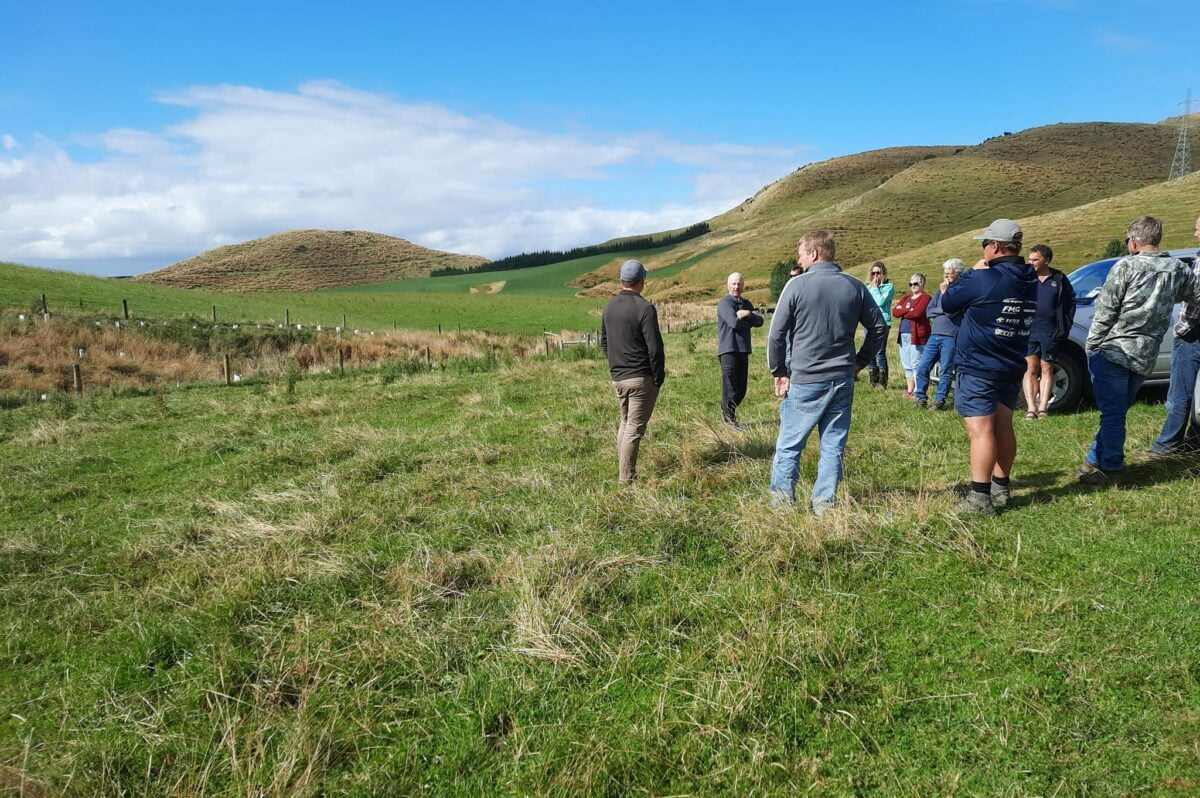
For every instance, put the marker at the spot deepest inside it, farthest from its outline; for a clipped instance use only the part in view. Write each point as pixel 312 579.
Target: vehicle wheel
pixel 1196 406
pixel 1070 382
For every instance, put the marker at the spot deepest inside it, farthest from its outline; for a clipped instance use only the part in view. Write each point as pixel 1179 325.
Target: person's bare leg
pixel 1029 382
pixel 982 435
pixel 1006 442
pixel 1047 386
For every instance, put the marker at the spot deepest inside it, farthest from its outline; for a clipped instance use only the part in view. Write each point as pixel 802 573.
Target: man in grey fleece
pixel 735 317
pixel 819 311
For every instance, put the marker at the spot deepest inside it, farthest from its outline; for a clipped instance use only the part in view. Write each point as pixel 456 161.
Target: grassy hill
pixel 1078 235
pixel 886 202
pixel 21 286
pixel 304 260
pixel 433 587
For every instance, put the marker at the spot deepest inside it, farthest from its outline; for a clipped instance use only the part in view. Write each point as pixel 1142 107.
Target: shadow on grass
pixel 739 446
pixel 1142 474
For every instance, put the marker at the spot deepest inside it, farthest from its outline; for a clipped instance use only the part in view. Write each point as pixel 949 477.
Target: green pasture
pixel 21 287
pixel 431 585
pixel 549 280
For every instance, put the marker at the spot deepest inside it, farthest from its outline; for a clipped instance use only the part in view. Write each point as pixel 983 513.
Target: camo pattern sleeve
pixel 1133 310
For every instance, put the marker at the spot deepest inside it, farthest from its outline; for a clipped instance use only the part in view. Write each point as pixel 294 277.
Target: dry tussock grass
pixel 38 357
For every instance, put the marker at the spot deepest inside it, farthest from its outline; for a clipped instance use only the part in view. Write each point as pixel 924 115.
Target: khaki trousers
pixel 636 397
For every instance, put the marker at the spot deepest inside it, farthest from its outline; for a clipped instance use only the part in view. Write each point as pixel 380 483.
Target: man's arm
pixel 1067 306
pixel 1190 290
pixel 1108 306
pixel 781 329
pixel 963 291
pixel 935 307
pixel 654 344
pixel 755 318
pixel 726 314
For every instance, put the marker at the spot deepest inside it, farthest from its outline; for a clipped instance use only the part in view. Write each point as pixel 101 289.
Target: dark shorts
pixel 1044 345
pixel 978 396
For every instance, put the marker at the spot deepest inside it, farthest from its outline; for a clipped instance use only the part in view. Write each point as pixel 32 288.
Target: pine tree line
pixel 526 260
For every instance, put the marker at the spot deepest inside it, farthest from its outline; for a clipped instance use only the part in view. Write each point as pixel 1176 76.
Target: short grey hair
pixel 1146 230
pixel 918 277
pixel 955 265
pixel 735 277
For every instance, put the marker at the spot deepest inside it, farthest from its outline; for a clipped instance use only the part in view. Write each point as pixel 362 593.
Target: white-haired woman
pixel 914 329
pixel 940 348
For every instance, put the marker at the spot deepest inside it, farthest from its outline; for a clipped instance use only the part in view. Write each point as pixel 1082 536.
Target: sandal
pixel 1031 415
pixel 1043 414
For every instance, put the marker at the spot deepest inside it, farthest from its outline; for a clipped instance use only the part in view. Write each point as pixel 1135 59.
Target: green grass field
pixel 21 286
pixel 549 280
pixel 435 587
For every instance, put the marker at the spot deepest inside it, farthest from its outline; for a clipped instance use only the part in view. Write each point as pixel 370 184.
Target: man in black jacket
pixel 631 341
pixel 735 317
pixel 1051 326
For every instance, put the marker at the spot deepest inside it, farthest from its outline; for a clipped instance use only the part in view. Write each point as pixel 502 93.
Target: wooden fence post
pixel 429 357
pixel 77 374
pixel 546 340
pixel 45 310
pixel 589 339
pixel 439 328
pixel 393 326
pixel 214 308
pixel 228 376
pixel 287 318
pixel 341 361
pixel 343 321
pixel 125 307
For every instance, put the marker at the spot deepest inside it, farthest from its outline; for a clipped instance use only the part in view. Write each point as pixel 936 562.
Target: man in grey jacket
pixel 735 317
pixel 819 311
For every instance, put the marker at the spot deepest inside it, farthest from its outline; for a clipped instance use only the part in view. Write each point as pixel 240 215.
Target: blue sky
pixel 135 134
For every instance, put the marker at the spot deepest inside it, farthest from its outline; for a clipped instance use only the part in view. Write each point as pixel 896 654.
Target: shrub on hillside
pixel 1115 249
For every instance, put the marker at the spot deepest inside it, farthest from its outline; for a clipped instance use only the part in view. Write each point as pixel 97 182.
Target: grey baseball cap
pixel 1004 230
pixel 632 271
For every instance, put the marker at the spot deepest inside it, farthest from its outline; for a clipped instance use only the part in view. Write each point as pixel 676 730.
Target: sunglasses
pixel 913 284
pixel 985 243
pixel 874 274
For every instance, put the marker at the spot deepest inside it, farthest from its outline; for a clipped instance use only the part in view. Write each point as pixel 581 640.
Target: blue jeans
pixel 880 361
pixel 940 348
pixel 910 354
pixel 826 406
pixel 1175 435
pixel 1114 387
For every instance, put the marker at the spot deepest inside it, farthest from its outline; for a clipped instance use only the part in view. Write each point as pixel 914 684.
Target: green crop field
pixel 21 287
pixel 432 586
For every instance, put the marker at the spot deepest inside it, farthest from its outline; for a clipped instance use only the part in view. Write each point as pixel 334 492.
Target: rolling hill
pixel 885 202
pixel 304 260
pixel 1078 235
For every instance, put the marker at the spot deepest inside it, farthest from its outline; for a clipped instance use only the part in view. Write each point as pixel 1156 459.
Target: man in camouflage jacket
pixel 1132 315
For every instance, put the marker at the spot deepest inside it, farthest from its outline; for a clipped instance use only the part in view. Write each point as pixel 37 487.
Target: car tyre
pixel 1070 381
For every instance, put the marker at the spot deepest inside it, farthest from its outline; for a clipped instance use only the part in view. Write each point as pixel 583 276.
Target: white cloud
pixel 1120 42
pixel 246 162
pixel 8 141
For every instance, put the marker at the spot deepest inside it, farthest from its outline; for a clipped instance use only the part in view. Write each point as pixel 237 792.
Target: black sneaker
pixel 920 403
pixel 939 404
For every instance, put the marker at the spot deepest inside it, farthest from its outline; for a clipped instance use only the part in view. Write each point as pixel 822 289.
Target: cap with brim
pixel 632 271
pixel 1003 230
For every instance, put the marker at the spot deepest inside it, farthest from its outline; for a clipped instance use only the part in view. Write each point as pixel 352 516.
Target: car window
pixel 1088 280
